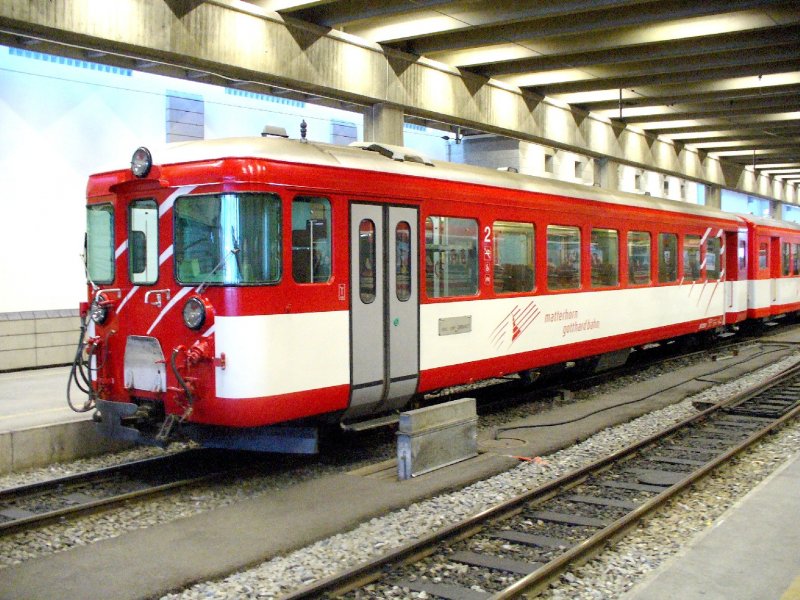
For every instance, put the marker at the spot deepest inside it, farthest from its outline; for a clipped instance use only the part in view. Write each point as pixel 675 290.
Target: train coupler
pixel 165 431
pixel 166 428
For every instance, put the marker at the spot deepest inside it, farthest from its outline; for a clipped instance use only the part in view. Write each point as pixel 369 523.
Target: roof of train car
pixel 356 156
pixel 770 223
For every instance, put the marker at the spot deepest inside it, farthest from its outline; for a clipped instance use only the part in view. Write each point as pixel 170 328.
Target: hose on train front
pixel 181 382
pixel 80 374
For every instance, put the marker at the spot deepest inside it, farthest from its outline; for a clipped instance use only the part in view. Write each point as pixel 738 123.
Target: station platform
pixel 752 552
pixel 37 427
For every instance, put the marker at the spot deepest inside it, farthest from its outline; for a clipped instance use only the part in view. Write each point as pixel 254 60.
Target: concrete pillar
pixel 383 124
pixel 606 174
pixel 713 196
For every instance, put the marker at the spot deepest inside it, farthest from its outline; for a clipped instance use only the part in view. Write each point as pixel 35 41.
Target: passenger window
pixel 667 257
pixel 563 257
pixel 763 255
pixel 367 284
pixel 713 262
pixel 638 258
pixel 796 260
pixel 605 257
pixel 311 240
pixel 451 257
pixel 513 257
pixel 691 257
pixel 402 248
pixel 143 242
pixel 786 255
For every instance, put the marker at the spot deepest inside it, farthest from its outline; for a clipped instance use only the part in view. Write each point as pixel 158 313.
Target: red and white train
pixel 248 290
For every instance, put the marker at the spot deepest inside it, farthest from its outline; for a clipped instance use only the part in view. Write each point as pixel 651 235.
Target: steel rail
pixel 373 570
pixel 535 582
pixel 60 486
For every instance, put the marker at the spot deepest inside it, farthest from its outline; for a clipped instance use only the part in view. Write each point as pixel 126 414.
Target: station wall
pixel 63 119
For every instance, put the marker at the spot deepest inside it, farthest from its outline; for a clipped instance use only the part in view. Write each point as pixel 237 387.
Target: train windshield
pixel 100 243
pixel 228 239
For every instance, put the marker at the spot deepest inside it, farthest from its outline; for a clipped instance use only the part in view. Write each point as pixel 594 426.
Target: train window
pixel 513 257
pixel 796 260
pixel 742 254
pixel 228 239
pixel 451 257
pixel 763 255
pixel 638 258
pixel 667 257
pixel 143 242
pixel 691 257
pixel 402 249
pixel 367 280
pixel 563 257
pixel 713 261
pixel 786 255
pixel 605 257
pixel 100 243
pixel 311 240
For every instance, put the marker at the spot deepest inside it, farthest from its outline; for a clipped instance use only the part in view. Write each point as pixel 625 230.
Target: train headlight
pixel 141 161
pixel 98 312
pixel 194 313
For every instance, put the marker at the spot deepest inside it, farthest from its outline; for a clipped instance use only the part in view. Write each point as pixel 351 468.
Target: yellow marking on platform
pixel 793 591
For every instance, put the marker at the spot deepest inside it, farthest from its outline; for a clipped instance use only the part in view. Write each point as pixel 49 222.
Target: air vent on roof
pixel 273 131
pixel 398 153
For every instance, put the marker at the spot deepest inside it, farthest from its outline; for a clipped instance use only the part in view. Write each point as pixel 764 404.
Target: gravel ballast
pixel 608 576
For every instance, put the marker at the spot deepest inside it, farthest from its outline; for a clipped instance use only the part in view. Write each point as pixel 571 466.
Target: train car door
pixel 775 269
pixel 384 309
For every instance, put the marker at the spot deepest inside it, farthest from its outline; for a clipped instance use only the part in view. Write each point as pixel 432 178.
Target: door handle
pixel 158 294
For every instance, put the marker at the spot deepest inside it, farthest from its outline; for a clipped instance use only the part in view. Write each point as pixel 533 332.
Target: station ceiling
pixel 722 76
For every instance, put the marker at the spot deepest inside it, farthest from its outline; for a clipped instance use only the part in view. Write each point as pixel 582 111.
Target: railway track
pixel 518 547
pixel 36 504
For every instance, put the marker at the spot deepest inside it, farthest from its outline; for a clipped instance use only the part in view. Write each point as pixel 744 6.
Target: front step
pixel 357 426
